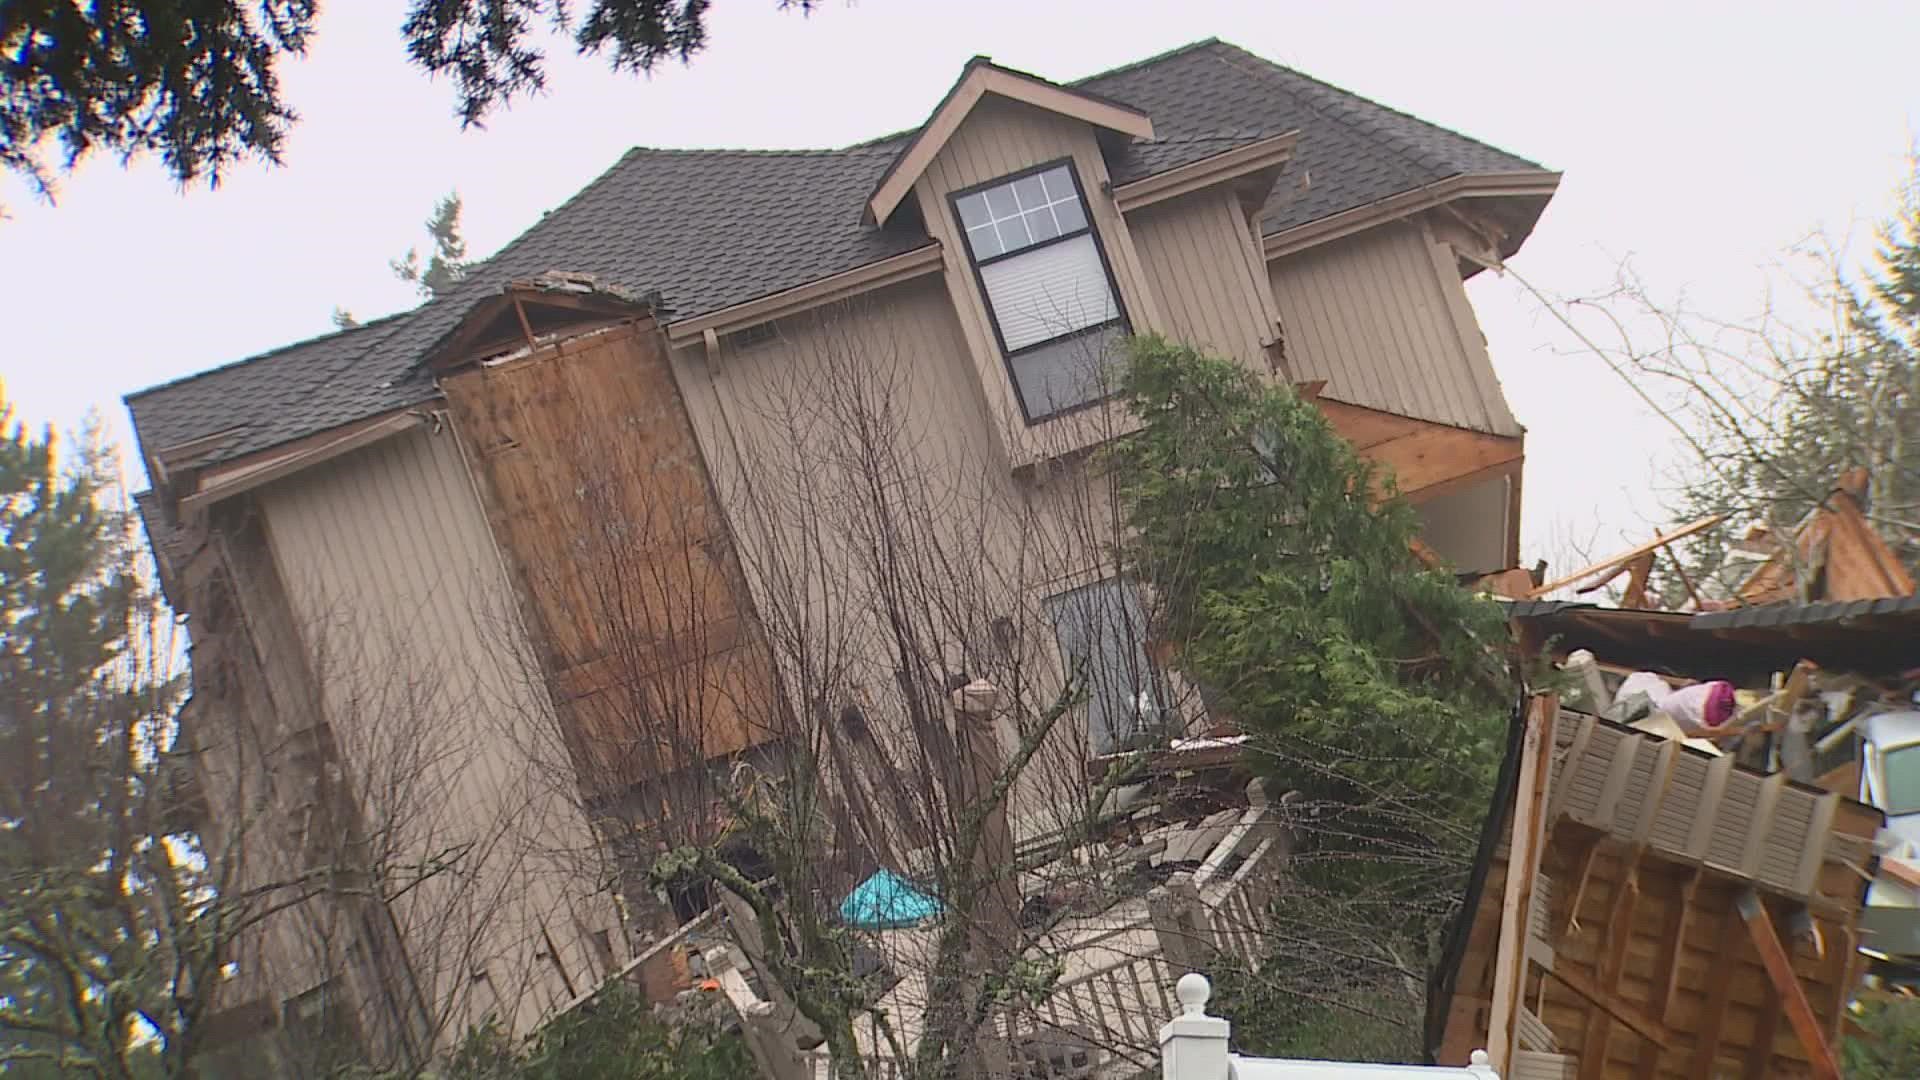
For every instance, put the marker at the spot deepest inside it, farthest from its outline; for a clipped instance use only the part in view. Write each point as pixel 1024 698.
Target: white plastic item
pixel 1645 682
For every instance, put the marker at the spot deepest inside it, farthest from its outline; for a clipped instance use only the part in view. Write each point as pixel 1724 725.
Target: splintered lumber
pixel 1753 912
pixel 1612 564
pixel 1651 971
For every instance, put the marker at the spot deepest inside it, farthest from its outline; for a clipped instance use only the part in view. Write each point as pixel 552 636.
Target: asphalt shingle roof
pixel 712 228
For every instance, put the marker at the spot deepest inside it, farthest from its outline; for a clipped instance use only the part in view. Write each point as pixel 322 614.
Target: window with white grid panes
pixel 1046 284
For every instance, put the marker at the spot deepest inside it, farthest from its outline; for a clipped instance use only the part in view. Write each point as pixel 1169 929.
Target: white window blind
pixel 1048 292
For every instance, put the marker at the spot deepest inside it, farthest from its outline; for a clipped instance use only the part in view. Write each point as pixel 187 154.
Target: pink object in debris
pixel 1708 704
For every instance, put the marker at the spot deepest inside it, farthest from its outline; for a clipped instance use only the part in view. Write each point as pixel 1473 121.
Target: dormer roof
pixel 980 78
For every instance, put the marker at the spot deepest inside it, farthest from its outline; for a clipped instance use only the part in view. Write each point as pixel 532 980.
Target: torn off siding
pixel 1373 316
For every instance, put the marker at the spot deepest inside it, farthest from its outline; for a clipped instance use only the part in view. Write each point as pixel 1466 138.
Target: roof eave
pixel 247 472
pixel 1270 153
pixel 978 80
pixel 1538 184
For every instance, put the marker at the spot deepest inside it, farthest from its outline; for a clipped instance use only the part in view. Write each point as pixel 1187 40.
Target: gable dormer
pixel 1010 175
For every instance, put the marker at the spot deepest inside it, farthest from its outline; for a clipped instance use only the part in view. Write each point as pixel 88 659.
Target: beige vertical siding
pixel 1193 251
pixel 1373 315
pixel 391 570
pixel 763 422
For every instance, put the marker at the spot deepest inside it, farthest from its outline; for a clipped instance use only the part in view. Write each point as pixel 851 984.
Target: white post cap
pixel 1193 1045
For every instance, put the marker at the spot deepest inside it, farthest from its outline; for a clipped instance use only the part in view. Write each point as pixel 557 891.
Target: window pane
pixel 1040 224
pixel 1902 770
pixel 1000 201
pixel 1042 294
pixel 1059 184
pixel 984 241
pixel 1030 193
pixel 973 210
pixel 1013 234
pixel 1071 215
pixel 1064 374
pixel 1104 628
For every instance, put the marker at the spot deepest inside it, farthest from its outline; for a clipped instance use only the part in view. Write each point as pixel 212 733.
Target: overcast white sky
pixel 1700 139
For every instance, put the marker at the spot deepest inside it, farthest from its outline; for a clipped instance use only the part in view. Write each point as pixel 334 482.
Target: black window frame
pixel 1123 320
pixel 1155 678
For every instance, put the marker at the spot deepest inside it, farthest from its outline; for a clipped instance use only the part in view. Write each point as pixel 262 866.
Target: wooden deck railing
pixel 1115 1010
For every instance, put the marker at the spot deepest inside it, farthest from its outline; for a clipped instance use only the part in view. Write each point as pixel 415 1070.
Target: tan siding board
pixel 1371 315
pixel 1437 329
pixel 1368 353
pixel 953 436
pixel 1485 384
pixel 1432 333
pixel 1191 249
pixel 392 537
pixel 1396 328
pixel 1406 331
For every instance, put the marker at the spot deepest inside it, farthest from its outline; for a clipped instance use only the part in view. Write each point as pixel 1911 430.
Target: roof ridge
pixel 1337 111
pixel 747 151
pixel 1229 53
pixel 268 354
pixel 1072 83
pixel 1156 58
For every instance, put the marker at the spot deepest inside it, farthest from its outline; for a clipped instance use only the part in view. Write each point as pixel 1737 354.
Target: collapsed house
pixel 552 500
pixel 1644 909
pixel 1690 867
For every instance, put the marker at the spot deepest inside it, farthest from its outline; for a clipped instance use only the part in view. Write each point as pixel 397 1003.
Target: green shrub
pixel 614 1037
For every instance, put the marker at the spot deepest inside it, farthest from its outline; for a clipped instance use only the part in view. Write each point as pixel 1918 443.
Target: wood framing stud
pixel 1524 846
pixel 1626 897
pixel 1753 912
pixel 1673 936
pixel 1706 1039
pixel 1645 1025
pixel 1610 566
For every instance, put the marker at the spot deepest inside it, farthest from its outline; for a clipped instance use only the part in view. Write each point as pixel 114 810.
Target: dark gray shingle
pixel 712 228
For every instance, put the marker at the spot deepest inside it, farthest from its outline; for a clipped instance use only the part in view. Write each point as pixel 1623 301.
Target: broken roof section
pixel 1653 911
pixel 1834 554
pixel 711 229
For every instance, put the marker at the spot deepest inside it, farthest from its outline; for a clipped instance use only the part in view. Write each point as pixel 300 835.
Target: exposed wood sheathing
pixel 1837 556
pixel 1641 964
pixel 1427 459
pixel 597 492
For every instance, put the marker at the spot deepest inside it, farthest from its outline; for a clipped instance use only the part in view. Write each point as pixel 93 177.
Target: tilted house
pixel 403 501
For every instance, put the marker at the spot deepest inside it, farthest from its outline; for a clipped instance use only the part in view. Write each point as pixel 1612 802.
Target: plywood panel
pixel 1423 457
pixel 601 498
pixel 1374 317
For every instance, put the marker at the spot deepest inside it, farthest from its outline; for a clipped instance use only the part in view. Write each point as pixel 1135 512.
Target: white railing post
pixel 1193 1045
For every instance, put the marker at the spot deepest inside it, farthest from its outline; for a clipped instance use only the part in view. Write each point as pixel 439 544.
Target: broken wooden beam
pixel 1773 955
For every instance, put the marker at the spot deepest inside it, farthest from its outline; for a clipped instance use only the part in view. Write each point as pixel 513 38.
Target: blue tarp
pixel 886 901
